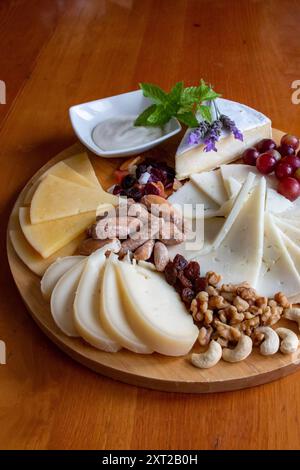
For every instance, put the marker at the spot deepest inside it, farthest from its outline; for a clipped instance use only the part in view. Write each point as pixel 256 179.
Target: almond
pixel 161 256
pixel 144 252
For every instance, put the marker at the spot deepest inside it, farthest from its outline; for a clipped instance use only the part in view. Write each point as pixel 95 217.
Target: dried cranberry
pixel 117 189
pixel 200 284
pixel 158 174
pixel 128 181
pixel 187 295
pixel 185 282
pixel 151 188
pixel 180 262
pixel 178 287
pixel 134 193
pixel 171 273
pixel 192 270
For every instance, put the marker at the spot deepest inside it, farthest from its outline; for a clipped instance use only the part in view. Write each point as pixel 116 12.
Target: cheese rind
pixel 254 126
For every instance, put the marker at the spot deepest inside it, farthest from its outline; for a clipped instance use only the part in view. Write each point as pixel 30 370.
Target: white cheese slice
pixel 254 126
pixel 238 257
pixel 292 231
pixel 291 222
pixel 155 310
pixel 211 183
pixel 190 194
pixel 113 316
pixel 55 271
pixel 292 248
pixel 232 186
pixel 278 272
pixel 276 203
pixel 86 304
pixel 62 299
pixel 239 172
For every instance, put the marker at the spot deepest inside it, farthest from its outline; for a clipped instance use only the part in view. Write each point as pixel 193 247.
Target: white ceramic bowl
pixel 85 117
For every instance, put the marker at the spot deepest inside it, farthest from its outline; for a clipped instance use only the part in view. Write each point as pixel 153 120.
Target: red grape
pixel 285 150
pixel 297 174
pixel 250 156
pixel 292 160
pixel 289 188
pixel 290 140
pixel 265 144
pixel 274 154
pixel 283 169
pixel 266 163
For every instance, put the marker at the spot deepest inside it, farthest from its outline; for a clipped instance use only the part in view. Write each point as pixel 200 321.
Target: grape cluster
pixel 282 160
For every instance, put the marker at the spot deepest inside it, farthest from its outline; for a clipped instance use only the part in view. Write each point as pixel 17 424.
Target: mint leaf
pixel 189 95
pixel 188 119
pixel 206 93
pixel 175 93
pixel 154 92
pixel 159 117
pixel 142 119
pixel 205 112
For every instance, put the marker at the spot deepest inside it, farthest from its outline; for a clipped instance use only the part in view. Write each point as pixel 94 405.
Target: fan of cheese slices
pixel 115 304
pixel 56 211
pixel 251 232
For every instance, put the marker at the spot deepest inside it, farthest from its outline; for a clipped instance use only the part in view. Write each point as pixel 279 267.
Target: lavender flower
pixel 212 136
pixel 198 133
pixel 230 126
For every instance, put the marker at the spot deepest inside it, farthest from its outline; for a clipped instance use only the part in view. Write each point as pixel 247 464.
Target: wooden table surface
pixel 55 54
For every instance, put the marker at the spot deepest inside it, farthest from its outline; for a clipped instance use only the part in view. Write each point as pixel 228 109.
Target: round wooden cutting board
pixel 151 371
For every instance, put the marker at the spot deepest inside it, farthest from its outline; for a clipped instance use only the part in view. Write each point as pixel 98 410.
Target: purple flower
pixel 197 134
pixel 212 136
pixel 229 125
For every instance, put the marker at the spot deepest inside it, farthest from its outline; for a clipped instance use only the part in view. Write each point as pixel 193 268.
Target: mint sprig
pixel 182 103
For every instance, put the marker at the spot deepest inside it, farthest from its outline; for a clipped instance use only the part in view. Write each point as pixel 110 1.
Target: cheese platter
pixel 98 252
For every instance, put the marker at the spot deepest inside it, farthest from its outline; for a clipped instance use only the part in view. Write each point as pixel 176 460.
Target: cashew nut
pixel 270 344
pixel 293 314
pixel 290 342
pixel 240 352
pixel 209 358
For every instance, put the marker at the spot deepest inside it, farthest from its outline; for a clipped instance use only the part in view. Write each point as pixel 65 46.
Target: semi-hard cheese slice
pixel 48 237
pixel 55 271
pixel 113 316
pixel 211 183
pixel 32 259
pixel 232 186
pixel 86 304
pixel 81 163
pixel 292 248
pixel 276 203
pixel 292 231
pixel 239 172
pixel 278 272
pixel 56 198
pixel 191 195
pixel 61 170
pixel 238 257
pixel 155 311
pixel 254 126
pixel 62 299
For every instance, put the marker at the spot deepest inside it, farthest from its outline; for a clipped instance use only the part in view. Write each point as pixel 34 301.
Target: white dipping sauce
pixel 120 133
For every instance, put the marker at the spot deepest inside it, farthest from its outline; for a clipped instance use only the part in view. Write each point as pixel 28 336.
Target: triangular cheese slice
pixel 292 231
pixel 238 257
pixel 190 194
pixel 239 172
pixel 254 126
pixel 57 198
pixel 81 163
pixel 278 272
pixel 61 170
pixel 211 183
pixel 292 248
pixel 232 186
pixel 276 203
pixel 48 237
pixel 32 259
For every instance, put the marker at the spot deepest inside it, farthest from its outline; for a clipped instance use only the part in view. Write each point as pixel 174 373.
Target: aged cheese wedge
pixel 238 257
pixel 113 316
pixel 81 163
pixel 62 299
pixel 55 271
pixel 57 198
pixel 61 170
pixel 86 304
pixel 32 259
pixel 155 311
pixel 211 183
pixel 48 237
pixel 276 203
pixel 232 186
pixel 254 126
pixel 278 272
pixel 191 195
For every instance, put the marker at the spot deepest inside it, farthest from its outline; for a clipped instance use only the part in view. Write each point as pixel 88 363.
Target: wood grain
pixel 86 50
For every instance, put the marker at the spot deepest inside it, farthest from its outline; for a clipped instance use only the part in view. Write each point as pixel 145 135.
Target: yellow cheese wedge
pixel 56 198
pixel 50 236
pixel 61 170
pixel 32 259
pixel 81 163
